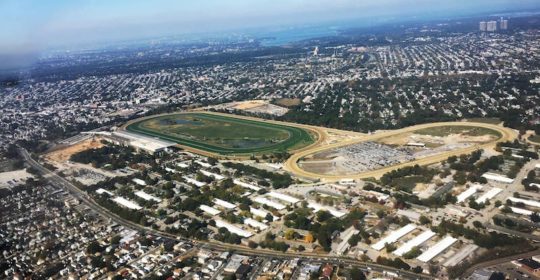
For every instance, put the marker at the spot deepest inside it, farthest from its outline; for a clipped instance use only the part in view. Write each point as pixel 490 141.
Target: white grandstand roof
pixel 318 207
pixel 210 210
pixel 284 197
pixel 488 195
pixel 525 201
pixel 498 178
pixel 418 240
pixel 214 175
pixel 393 236
pixel 268 202
pixel 246 185
pixel 224 203
pixel 233 229
pixel 436 249
pixel 255 224
pixel 127 203
pixel 146 196
pixel 468 192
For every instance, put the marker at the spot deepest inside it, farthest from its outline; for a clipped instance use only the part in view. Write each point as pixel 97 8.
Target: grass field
pixel 535 138
pixel 223 134
pixel 485 120
pixel 443 131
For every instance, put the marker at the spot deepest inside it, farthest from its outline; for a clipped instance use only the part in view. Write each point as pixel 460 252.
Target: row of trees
pixel 278 180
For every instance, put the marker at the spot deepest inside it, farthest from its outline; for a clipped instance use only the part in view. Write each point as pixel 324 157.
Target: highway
pixel 212 245
pixel 291 164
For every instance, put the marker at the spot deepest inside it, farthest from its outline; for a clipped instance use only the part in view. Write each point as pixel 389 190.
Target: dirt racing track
pixel 291 165
pixel 319 134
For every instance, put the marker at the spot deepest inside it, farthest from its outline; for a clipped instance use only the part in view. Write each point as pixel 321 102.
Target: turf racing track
pixel 291 164
pixel 296 133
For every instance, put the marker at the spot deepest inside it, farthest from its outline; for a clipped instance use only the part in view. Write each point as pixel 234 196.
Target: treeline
pixel 278 180
pixel 110 155
pixel 486 240
pixel 324 225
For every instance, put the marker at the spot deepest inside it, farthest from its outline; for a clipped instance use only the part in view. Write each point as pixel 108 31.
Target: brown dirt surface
pixel 288 102
pixel 249 104
pixel 63 155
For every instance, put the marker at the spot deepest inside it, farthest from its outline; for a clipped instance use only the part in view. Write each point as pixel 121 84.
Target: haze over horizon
pixel 33 25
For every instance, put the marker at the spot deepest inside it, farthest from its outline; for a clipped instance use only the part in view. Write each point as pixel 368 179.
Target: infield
pixel 224 135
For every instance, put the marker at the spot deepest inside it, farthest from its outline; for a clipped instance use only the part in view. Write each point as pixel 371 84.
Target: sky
pixel 28 26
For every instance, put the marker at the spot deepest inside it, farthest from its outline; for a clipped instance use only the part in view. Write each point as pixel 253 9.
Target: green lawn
pixel 223 134
pixel 443 131
pixel 534 138
pixel 485 120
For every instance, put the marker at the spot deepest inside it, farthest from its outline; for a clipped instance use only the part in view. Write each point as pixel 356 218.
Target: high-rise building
pixel 491 26
pixel 483 26
pixel 504 24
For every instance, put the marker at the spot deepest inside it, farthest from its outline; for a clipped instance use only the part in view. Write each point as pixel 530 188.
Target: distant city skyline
pixel 31 25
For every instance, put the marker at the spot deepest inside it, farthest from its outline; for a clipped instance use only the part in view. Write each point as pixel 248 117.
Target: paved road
pixel 76 192
pixel 291 164
pixel 486 264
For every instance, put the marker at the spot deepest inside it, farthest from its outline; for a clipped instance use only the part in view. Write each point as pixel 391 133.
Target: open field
pixel 485 120
pixel 479 135
pixel 288 102
pixel 64 154
pixel 224 134
pixel 443 131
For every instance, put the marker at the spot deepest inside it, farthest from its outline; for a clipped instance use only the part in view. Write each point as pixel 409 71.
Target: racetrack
pixel 300 137
pixel 291 164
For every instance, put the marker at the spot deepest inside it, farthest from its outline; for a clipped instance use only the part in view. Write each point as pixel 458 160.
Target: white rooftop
pixel 436 249
pixel 102 191
pixel 194 182
pixel 318 207
pixel 393 236
pixel 266 201
pixel 233 229
pixel 498 178
pixel 468 193
pixel 213 175
pixel 224 203
pixel 255 224
pixel 525 201
pixel 284 197
pixel 246 185
pixel 147 196
pixel 488 195
pixel 139 182
pixel 418 240
pixel 127 203
pixel 210 210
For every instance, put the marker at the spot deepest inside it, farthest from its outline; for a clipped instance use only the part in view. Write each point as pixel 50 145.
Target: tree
pixel 93 247
pixel 424 220
pixel 357 274
pixel 478 224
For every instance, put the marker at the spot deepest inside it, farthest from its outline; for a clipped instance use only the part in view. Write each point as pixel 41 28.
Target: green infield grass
pixel 226 135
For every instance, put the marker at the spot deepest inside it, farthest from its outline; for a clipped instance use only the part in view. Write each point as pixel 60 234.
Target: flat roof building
pixel 436 249
pixel 393 236
pixel 232 228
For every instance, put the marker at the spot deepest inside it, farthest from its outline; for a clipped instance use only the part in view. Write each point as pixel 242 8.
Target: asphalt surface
pixel 291 164
pixel 84 198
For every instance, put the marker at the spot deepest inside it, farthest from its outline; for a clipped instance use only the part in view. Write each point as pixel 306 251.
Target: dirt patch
pixel 63 155
pixel 249 104
pixel 288 102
